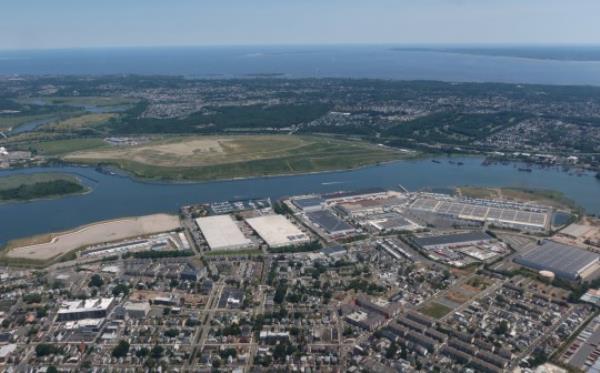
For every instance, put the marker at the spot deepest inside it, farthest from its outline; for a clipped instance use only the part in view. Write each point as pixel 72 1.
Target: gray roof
pixel 303 203
pixel 564 260
pixel 332 250
pixel 328 221
pixel 453 238
pixel 353 193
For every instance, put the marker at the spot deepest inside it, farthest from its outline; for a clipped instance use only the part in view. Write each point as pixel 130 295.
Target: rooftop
pixel 564 260
pixel 329 222
pixel 221 232
pixel 456 238
pixel 277 230
pixel 85 305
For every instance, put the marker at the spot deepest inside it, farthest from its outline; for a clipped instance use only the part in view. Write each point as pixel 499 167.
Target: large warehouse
pixel 567 262
pixel 277 231
pixel 222 233
pixel 330 223
pixel 453 240
pixel 502 213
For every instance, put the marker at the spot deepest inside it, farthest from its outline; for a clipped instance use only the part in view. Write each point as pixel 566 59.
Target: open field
pixel 79 100
pixel 14 181
pixel 29 187
pixel 46 247
pixel 435 310
pixel 224 157
pixel 82 121
pixel 539 196
pixel 61 147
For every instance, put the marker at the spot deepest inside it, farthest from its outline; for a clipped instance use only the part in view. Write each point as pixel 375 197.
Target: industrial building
pixel 365 320
pixel 390 222
pixel 349 196
pixel 222 233
pixel 379 306
pixel 330 223
pixel 565 261
pixel 84 309
pixel 277 231
pixel 504 214
pixel 369 206
pixel 137 310
pixel 453 240
pixel 308 204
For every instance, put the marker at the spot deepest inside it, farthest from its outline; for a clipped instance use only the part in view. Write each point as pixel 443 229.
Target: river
pixel 118 196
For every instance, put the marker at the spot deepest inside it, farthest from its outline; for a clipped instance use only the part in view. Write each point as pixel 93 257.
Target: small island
pixel 29 187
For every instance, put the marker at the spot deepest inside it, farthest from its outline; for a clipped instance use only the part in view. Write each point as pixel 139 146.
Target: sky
pixel 33 24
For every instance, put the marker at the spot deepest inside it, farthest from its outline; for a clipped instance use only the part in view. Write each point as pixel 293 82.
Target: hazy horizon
pixel 70 24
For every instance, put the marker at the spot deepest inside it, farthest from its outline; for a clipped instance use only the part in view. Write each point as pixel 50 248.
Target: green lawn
pixel 435 310
pixel 61 147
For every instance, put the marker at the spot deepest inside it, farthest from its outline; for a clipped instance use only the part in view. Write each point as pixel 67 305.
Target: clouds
pixel 87 23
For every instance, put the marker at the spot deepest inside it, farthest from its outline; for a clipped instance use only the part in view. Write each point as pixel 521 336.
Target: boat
pixel 525 169
pixel 435 161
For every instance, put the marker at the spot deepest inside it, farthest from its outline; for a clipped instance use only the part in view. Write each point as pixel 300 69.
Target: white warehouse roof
pixel 222 233
pixel 98 304
pixel 277 231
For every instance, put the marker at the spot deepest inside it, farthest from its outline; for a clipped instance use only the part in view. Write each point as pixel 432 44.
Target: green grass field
pixel 80 100
pixel 226 157
pixel 435 310
pixel 81 122
pixel 14 181
pixel 62 147
pixel 28 187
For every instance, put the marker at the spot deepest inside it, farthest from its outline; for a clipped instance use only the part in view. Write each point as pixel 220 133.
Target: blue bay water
pixel 300 62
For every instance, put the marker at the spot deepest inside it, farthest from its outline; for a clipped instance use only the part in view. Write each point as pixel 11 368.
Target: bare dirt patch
pixel 55 245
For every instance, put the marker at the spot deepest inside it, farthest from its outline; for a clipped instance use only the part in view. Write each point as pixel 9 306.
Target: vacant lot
pixel 43 248
pixel 222 157
pixel 435 310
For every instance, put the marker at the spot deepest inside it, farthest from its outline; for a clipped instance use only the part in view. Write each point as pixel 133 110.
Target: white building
pixel 84 309
pixel 222 233
pixel 278 231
